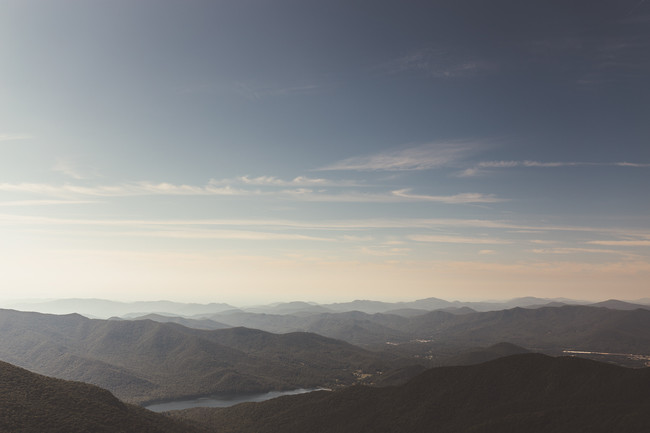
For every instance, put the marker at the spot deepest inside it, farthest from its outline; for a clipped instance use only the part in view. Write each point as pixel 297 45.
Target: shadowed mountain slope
pixel 589 328
pixel 31 403
pixel 145 360
pixel 520 393
pixel 479 355
pixel 473 356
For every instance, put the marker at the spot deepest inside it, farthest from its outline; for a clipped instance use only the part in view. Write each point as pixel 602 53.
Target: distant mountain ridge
pixel 144 360
pixel 587 327
pixel 427 304
pixel 436 335
pixel 101 308
pixel 615 304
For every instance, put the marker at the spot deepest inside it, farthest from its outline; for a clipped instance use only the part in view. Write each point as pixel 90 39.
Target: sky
pixel 251 151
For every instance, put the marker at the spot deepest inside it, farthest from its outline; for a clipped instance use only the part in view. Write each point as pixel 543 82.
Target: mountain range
pixel 104 309
pixel 436 334
pixel 386 385
pixel 529 392
pixel 143 360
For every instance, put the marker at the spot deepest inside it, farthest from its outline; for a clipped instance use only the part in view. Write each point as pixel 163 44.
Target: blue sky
pixel 250 151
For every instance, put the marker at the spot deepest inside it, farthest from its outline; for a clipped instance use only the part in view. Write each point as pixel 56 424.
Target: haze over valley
pixel 390 216
pixel 393 357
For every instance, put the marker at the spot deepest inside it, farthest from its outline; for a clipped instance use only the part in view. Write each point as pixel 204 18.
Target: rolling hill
pixel 521 393
pixel 31 403
pixel 546 328
pixel 143 360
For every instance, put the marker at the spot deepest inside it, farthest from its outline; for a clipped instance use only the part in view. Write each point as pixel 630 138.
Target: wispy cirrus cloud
pixel 385 252
pixel 71 191
pixel 274 181
pixel 484 166
pixel 247 235
pixel 72 169
pixel 424 157
pixel 439 63
pixel 457 198
pixel 624 243
pixel 621 236
pixel 256 92
pixel 380 237
pixel 528 163
pixel 21 203
pixel 12 137
pixel 577 250
pixel 396 196
pixel 449 239
pixel 120 190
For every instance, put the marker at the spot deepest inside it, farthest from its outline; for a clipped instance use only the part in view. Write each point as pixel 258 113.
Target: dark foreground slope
pixel 33 403
pixel 144 360
pixel 521 393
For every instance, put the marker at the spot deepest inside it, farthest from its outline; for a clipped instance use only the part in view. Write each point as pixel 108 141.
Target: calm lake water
pixel 223 400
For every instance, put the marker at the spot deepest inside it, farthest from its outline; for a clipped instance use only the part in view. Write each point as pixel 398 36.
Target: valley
pixel 530 392
pixel 324 216
pixel 206 375
pixel 142 360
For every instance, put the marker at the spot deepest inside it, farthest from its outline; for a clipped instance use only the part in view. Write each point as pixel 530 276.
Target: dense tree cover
pixel 31 403
pixel 584 327
pixel 530 393
pixel 146 361
pixel 439 335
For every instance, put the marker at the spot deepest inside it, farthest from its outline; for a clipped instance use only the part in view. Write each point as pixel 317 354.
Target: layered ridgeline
pixel 521 393
pixel 102 308
pixel 31 403
pixel 143 360
pixel 588 328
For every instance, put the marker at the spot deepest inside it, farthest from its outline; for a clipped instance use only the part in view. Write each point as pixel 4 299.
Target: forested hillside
pixel 529 393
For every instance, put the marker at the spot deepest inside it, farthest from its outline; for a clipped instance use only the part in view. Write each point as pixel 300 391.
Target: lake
pixel 223 400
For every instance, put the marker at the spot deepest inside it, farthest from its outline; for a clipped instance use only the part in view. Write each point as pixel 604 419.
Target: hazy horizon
pixel 245 151
pixel 7 302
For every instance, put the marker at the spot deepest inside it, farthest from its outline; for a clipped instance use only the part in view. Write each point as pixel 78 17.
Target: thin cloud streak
pixel 121 190
pixel 527 163
pixel 359 224
pixel 396 196
pixel 223 234
pixel 628 255
pixel 439 63
pixel 426 157
pixel 457 199
pixel 211 189
pixel 72 169
pixel 456 239
pixel 12 137
pixel 272 181
pixel 481 167
pixel 20 203
pixel 385 252
pixel 626 243
pixel 569 250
